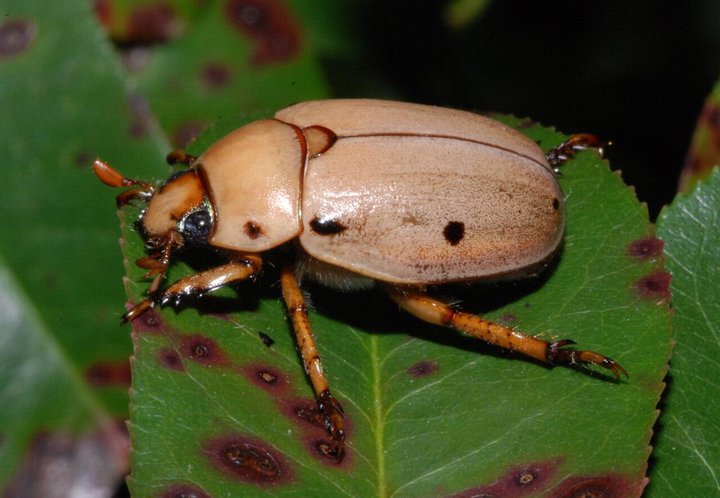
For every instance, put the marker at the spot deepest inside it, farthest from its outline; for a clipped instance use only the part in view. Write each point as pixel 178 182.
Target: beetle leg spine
pixel 328 406
pixel 419 304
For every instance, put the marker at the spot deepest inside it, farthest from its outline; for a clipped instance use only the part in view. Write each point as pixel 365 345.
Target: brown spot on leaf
pixel 519 481
pixel 422 369
pixel 215 75
pixel 526 477
pixel 103 11
pixel 184 491
pixel 705 147
pixel 248 459
pixel 203 350
pixel 170 359
pixel 149 24
pixel 271 27
pixel 646 248
pixel 266 377
pixel 654 286
pixel 15 37
pixel 306 411
pixel 311 424
pixel 324 451
pixel 604 486
pixel 108 373
pixel 148 322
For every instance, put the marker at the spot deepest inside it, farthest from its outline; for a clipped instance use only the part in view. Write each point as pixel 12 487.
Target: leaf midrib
pixel 378 416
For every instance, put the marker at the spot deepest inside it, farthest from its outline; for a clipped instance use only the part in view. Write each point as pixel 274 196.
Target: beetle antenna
pixel 112 178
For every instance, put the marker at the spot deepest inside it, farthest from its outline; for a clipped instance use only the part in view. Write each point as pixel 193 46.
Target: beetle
pixel 363 192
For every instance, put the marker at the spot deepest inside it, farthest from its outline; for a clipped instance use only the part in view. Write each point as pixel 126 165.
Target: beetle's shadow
pixel 374 312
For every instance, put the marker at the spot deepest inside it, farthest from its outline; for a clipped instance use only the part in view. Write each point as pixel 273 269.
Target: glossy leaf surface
pixel 687 458
pixel 430 413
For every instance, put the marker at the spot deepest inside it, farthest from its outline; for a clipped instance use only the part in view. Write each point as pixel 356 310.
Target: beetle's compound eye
pixel 196 227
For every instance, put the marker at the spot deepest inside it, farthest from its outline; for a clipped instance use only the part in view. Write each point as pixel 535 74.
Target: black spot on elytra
pixel 108 373
pixel 422 369
pixel 603 486
pixel 215 75
pixel 184 491
pixel 252 230
pixel 454 232
pixel 15 37
pixel 654 286
pixel 203 350
pixel 519 481
pixel 248 459
pixel 326 226
pixel 555 203
pixel 646 248
pixel 170 359
pixel 270 25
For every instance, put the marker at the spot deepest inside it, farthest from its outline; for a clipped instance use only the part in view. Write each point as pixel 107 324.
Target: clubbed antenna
pixel 111 177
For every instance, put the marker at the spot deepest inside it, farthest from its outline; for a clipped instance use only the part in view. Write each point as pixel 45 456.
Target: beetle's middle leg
pixel 246 266
pixel 329 407
pixel 418 303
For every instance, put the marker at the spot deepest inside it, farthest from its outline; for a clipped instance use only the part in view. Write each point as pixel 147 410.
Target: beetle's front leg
pixel 245 267
pixel 328 406
pixel 419 304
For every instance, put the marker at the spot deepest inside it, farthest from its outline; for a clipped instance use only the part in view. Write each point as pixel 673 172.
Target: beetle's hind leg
pixel 245 267
pixel 418 303
pixel 328 406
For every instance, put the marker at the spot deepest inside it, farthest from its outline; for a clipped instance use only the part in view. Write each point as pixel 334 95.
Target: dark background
pixel 635 73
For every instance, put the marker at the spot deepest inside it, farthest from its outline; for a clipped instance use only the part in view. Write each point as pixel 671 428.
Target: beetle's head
pixel 178 213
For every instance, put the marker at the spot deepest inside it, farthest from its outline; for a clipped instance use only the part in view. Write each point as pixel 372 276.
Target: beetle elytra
pixel 363 192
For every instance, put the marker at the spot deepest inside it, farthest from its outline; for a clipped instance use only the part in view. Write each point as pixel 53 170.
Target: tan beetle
pixel 364 192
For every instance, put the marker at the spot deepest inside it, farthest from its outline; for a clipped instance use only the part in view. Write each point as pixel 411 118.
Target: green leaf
pixel 66 99
pixel 687 458
pixel 63 358
pixel 429 413
pixel 228 65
